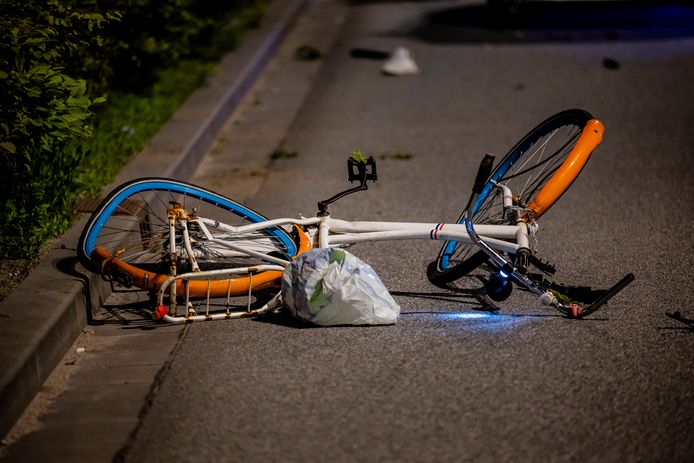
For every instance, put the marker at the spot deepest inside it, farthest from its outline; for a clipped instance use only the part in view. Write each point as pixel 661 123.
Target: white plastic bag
pixel 332 287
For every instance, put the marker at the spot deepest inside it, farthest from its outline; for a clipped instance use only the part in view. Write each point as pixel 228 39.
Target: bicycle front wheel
pixel 538 170
pixel 128 238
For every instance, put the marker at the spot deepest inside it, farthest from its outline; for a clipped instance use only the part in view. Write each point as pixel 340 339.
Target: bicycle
pixel 184 244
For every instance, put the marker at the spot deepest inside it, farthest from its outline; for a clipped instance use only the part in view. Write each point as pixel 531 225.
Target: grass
pixel 283 153
pixel 398 155
pixel 308 53
pixel 129 120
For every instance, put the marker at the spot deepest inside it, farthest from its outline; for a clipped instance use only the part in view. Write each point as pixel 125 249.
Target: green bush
pixel 59 138
pixel 44 113
pixel 157 64
pixel 157 34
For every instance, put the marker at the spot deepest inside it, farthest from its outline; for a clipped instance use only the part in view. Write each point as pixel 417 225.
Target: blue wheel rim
pixel 221 201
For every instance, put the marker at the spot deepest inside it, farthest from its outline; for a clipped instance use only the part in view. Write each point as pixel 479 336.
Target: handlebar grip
pixel 620 285
pixel 483 173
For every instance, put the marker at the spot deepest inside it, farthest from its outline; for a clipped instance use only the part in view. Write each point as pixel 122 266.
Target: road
pixel 453 381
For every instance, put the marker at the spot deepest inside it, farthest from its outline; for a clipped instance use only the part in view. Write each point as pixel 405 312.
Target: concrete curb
pixel 41 319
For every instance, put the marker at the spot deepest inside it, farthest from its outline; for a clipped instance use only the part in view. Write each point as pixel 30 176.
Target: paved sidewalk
pixel 41 319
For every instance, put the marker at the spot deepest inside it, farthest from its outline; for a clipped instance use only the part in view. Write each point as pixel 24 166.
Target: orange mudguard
pixel 569 170
pixel 196 288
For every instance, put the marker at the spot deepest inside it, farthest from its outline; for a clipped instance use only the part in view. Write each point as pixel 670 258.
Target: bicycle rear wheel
pixel 538 170
pixel 127 238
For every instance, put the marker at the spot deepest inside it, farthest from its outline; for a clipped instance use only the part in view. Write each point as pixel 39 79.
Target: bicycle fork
pixel 500 285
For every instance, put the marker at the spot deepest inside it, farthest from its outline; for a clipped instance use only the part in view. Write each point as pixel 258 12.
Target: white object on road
pixel 400 63
pixel 332 287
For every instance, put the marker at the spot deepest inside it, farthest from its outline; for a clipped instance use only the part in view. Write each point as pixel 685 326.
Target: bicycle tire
pixel 126 238
pixel 558 168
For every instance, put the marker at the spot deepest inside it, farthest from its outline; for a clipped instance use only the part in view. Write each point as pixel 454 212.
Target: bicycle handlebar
pixel 620 285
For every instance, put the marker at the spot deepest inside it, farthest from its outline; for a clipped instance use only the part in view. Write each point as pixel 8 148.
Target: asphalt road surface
pixel 450 381
pixel 457 379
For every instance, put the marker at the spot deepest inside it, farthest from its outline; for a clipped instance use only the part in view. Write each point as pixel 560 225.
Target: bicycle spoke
pixel 525 170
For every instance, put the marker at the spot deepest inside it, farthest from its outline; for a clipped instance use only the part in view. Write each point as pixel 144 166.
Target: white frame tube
pixel 343 232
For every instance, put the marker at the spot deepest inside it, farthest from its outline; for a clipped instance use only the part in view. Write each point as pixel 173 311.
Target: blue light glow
pixel 475 320
pixel 503 275
pixel 470 315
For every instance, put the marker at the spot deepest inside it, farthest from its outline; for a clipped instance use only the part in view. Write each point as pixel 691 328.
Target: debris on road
pixel 400 63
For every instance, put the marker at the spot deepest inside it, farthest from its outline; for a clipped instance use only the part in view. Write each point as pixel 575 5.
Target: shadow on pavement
pixel 688 322
pixel 131 315
pixel 284 318
pixel 125 308
pixel 457 295
pixel 569 21
pixel 68 266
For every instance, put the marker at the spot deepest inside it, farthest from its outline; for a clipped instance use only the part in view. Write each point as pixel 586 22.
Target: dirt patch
pixel 14 271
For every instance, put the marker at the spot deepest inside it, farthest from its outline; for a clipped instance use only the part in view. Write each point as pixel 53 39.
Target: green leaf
pixel 358 156
pixel 34 41
pixel 8 146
